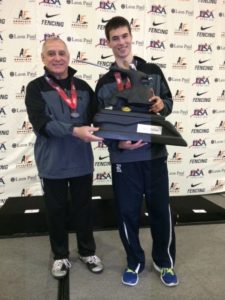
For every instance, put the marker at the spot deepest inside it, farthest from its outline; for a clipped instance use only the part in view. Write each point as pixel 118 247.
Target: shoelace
pixel 60 262
pixel 67 263
pixel 93 259
pixel 130 271
pixel 167 270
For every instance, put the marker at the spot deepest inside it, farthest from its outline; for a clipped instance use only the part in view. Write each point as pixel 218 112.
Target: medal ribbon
pixel 120 85
pixel 70 101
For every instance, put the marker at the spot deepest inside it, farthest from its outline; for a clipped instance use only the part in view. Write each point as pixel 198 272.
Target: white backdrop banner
pixel 186 38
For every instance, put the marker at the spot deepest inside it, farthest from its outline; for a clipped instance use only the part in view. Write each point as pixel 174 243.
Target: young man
pixel 139 168
pixel 60 108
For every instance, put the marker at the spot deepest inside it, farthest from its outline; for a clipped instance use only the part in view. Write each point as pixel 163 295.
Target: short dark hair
pixel 115 23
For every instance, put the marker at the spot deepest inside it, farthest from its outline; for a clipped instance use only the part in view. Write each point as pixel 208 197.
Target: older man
pixel 60 108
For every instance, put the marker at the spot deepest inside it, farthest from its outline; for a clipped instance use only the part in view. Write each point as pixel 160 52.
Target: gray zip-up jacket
pixel 58 154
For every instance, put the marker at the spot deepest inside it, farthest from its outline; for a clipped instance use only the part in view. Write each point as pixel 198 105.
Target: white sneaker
pixel 93 263
pixel 60 267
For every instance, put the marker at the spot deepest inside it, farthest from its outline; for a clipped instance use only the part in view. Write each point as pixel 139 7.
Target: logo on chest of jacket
pixel 118 168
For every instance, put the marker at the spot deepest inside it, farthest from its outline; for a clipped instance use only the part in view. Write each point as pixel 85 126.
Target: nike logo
pixel 197 155
pixel 102 157
pixel 200 94
pixel 198 125
pixel 105 56
pixel 203 61
pixel 156 58
pixel 104 21
pixel 157 24
pixel 194 185
pixel 51 16
pixel 204 28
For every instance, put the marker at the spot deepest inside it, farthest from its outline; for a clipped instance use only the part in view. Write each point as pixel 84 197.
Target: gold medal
pixel 126 108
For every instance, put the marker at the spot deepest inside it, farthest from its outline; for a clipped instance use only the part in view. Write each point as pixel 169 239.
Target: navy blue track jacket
pixel 107 86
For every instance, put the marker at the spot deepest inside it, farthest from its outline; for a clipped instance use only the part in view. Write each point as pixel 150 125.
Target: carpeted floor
pixel 26 262
pixel 200 264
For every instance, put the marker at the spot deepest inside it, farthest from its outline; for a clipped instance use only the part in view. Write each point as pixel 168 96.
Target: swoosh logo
pixel 204 28
pixel 203 61
pixel 104 21
pixel 194 185
pixel 198 125
pixel 51 16
pixel 102 157
pixel 105 56
pixel 157 24
pixel 156 58
pixel 200 94
pixel 197 155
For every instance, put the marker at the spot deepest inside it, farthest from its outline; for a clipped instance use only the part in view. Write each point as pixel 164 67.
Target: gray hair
pixel 50 39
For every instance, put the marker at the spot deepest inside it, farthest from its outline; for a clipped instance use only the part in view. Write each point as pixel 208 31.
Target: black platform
pixel 196 209
pixel 22 216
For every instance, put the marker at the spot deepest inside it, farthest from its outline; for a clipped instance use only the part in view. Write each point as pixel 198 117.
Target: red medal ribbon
pixel 70 101
pixel 120 85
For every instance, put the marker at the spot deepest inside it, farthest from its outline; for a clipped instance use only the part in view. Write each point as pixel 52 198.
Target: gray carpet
pixel 24 273
pixel 25 264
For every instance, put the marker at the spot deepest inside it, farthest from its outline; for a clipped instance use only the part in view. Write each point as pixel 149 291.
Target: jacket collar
pixel 71 72
pixel 136 60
